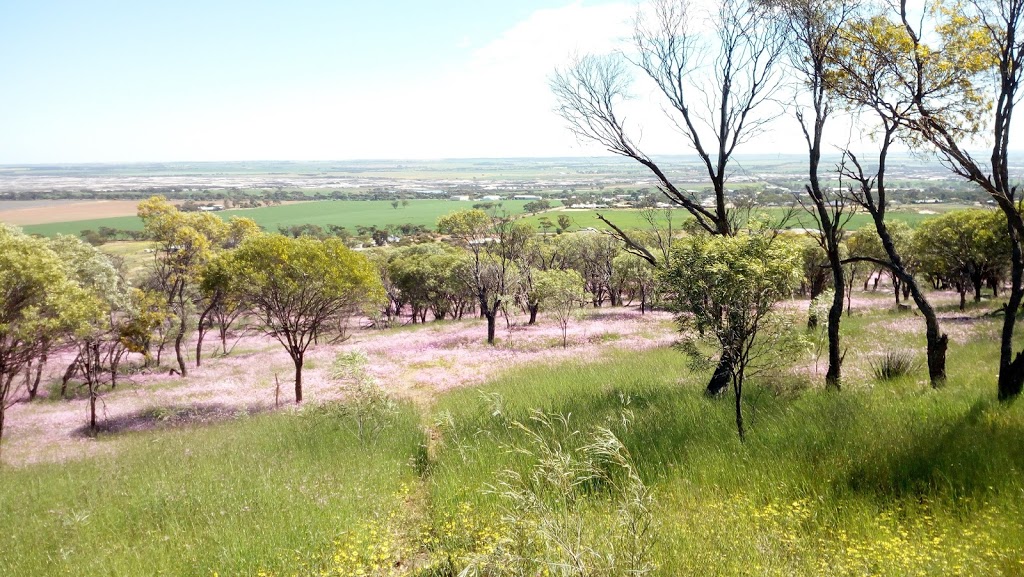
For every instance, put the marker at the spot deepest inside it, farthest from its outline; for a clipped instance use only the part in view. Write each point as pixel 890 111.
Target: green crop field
pixel 347 213
pixel 632 219
pixel 380 213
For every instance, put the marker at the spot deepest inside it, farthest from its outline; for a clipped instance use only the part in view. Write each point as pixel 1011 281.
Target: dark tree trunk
pixel 201 331
pixel 896 289
pixel 963 298
pixel 833 377
pixel 738 394
pixel 720 379
pixel 33 388
pixel 297 359
pixel 179 339
pixel 976 280
pixel 533 313
pixel 491 319
pixel 92 407
pixel 1011 368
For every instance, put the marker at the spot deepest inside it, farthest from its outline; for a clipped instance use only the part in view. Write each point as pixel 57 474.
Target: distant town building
pixel 526 197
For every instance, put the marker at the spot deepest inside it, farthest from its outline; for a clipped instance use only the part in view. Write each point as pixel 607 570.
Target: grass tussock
pixel 894 365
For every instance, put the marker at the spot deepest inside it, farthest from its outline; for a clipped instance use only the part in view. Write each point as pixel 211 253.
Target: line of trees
pixel 207 276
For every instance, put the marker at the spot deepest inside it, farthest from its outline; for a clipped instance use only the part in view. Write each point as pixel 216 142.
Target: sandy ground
pixel 65 211
pixel 410 362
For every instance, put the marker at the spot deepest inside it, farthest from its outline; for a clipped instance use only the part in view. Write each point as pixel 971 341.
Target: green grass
pixel 882 480
pixel 347 213
pixel 266 492
pixel 892 478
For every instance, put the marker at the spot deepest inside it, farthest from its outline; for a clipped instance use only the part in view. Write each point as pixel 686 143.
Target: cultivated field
pixel 37 212
pixel 353 213
pixel 347 213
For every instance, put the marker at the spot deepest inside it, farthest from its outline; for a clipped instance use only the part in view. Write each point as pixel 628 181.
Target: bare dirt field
pixel 413 363
pixel 28 212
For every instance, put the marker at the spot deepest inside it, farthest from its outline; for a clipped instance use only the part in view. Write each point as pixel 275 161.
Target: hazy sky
pixel 107 81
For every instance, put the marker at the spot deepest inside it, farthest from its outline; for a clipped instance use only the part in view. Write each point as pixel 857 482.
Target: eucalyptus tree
pixel 297 287
pixel 865 77
pixel 561 293
pixel 495 244
pixel 185 241
pixel 725 291
pixel 716 75
pixel 964 248
pixel 39 305
pixel 961 66
pixel 99 340
pixel 814 33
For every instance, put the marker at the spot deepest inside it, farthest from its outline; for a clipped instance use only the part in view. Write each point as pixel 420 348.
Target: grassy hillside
pixel 883 478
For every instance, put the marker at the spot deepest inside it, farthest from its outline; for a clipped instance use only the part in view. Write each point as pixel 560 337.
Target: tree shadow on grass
pixel 981 448
pixel 164 417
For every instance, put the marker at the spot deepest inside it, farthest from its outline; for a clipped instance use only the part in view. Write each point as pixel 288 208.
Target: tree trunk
pixel 178 352
pixel 1011 369
pixel 738 394
pixel 533 313
pixel 896 289
pixel 833 377
pixel 963 298
pixel 491 318
pixel 297 359
pixel 33 389
pixel 977 282
pixel 201 332
pixel 92 407
pixel 721 377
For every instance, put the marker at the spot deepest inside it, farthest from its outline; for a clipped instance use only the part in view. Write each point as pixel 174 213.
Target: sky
pixel 220 80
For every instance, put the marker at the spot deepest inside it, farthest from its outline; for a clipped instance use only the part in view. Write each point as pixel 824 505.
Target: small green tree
pixel 560 292
pixel 496 245
pixel 296 287
pixel 964 249
pixel 725 291
pixel 99 338
pixel 185 241
pixel 39 304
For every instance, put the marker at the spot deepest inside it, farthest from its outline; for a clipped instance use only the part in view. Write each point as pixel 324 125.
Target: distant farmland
pixel 380 213
pixel 347 213
pixel 631 219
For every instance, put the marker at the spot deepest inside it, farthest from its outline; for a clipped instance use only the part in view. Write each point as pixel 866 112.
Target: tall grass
pixel 893 480
pixel 263 493
pixel 883 478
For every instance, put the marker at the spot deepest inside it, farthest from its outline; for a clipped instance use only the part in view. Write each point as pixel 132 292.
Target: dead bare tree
pixel 814 28
pixel 716 88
